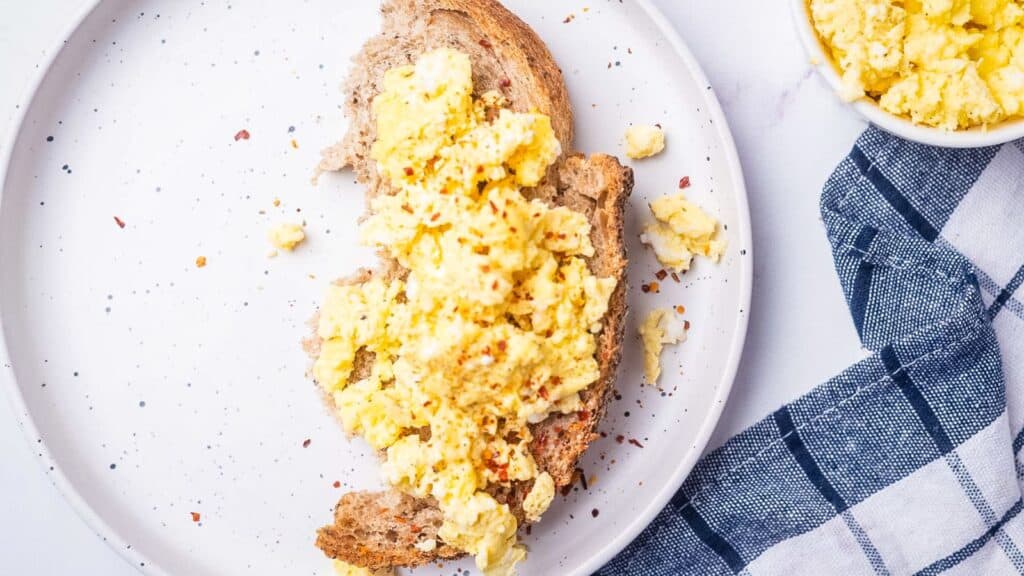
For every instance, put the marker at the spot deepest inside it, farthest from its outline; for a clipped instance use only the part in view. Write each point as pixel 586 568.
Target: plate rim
pixel 15 398
pixel 746 267
pixel 609 549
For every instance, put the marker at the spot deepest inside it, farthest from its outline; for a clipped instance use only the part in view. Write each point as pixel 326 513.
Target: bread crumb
pixel 201 262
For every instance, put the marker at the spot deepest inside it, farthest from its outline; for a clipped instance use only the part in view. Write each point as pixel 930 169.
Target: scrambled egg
pixel 345 569
pixel 644 141
pixel 657 330
pixel 540 497
pixel 946 63
pixel 681 231
pixel 495 325
pixel 286 236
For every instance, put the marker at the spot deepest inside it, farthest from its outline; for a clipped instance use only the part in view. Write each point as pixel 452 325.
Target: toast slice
pixel 384 529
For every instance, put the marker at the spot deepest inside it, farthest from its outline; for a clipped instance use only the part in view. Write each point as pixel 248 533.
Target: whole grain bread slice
pixel 383 529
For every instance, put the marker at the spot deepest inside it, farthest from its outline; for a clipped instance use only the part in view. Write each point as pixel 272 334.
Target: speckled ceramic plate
pixel 169 401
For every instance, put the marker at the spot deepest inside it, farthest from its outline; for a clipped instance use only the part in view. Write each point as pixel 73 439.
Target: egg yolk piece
pixel 494 326
pixel 952 64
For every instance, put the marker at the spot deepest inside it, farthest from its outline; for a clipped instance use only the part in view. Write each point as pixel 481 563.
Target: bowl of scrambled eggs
pixel 940 72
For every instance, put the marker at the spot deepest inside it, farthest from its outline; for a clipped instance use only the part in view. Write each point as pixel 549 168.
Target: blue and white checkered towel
pixel 909 462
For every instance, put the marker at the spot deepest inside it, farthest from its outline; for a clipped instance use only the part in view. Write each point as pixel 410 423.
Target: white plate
pixel 153 389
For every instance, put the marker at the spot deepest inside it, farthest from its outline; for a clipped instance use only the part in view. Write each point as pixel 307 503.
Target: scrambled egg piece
pixel 540 497
pixel 657 330
pixel 644 141
pixel 346 569
pixel 495 325
pixel 681 231
pixel 286 236
pixel 947 63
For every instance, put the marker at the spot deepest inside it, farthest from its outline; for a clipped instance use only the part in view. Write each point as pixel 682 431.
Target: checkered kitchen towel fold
pixel 910 461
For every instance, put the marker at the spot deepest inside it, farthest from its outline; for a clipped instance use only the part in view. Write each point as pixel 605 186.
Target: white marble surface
pixel 790 132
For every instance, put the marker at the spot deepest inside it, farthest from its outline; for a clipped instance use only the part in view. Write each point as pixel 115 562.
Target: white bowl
pixel 898 125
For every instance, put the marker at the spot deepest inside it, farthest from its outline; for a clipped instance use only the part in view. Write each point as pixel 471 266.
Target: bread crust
pixel 374 530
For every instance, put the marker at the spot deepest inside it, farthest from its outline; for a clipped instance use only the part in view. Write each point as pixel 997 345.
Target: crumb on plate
pixel 287 236
pixel 682 230
pixel 644 141
pixel 659 328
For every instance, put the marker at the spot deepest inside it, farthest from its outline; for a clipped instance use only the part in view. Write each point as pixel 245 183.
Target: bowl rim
pixel 977 137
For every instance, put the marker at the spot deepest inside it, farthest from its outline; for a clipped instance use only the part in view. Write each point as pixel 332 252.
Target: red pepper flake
pixel 661 274
pixel 636 443
pixel 620 438
pixel 680 310
pixel 486 43
pixel 494 207
pixel 407 208
pixel 684 182
pixel 306 443
pixel 502 345
pixel 655 287
pixel 569 18
pixel 120 223
pixel 409 171
pixel 505 82
pixel 675 277
pixel 336 484
pixel 544 393
pixel 645 288
pixel 584 415
pixel 595 512
pixel 686 325
pixel 435 216
pixel 195 516
pixel 241 135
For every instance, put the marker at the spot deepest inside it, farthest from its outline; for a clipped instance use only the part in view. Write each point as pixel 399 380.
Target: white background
pixel 790 131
